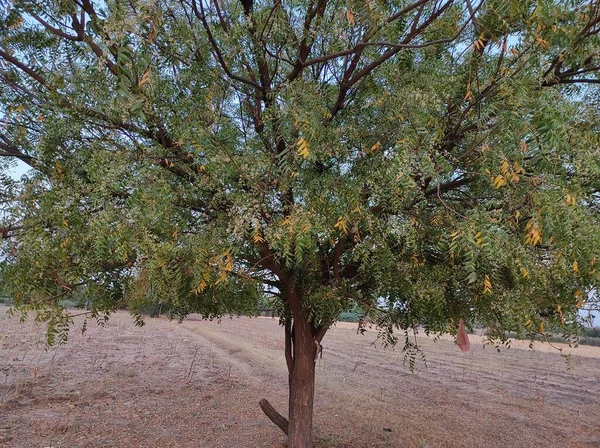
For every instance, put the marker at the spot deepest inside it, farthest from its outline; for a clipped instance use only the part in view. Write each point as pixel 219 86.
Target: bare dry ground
pixel 198 384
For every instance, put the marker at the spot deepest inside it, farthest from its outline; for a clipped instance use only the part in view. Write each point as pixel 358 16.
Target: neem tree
pixel 428 160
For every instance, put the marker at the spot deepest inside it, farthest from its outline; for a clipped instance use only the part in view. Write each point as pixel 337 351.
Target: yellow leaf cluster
pixel 479 239
pixel 479 44
pixel 145 80
pixel 200 287
pixel 469 94
pixel 226 265
pixel 508 172
pixel 579 296
pixel 221 278
pixel 437 220
pixel 523 146
pixel 456 234
pixel 570 199
pixel 303 150
pixel 350 17
pixel 416 261
pixel 560 314
pixel 543 42
pixel 375 147
pixel 499 181
pixel 487 285
pixel 534 236
pixel 342 225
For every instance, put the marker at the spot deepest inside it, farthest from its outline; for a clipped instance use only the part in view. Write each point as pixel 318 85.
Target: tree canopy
pixel 426 160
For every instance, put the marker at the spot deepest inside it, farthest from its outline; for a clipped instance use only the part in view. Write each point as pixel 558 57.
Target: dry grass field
pixel 198 384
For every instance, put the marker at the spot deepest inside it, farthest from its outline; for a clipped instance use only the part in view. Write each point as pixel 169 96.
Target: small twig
pixel 190 373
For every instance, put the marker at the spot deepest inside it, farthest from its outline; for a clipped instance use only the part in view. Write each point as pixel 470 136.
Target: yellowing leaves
pixel 570 199
pixel 508 172
pixel 416 261
pixel 543 42
pixel 469 94
pixel 200 287
pixel 499 181
pixel 375 147
pixel 534 236
pixel 456 235
pixel 65 243
pixel 479 239
pixel 221 278
pixel 303 149
pixel 437 220
pixel 576 267
pixel 523 146
pixel 479 44
pixel 580 298
pixel 224 263
pixel 257 238
pixel 560 314
pixel 516 171
pixel 350 17
pixel 16 23
pixel 487 285
pixel 145 80
pixel 524 272
pixel 342 225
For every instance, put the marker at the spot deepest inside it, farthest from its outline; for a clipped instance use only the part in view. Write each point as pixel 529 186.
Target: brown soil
pixel 198 384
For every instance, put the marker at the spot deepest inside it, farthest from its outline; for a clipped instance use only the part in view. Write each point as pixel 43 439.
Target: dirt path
pixel 197 384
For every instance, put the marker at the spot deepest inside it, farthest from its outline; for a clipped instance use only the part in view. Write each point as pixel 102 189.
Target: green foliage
pixel 349 316
pixel 592 332
pixel 426 163
pixel 594 342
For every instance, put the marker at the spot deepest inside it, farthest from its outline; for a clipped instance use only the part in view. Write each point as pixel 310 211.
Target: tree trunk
pixel 302 387
pixel 301 342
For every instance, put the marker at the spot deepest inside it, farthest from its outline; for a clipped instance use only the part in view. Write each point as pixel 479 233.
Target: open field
pixel 198 384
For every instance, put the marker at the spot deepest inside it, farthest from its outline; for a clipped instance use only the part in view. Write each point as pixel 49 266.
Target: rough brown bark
pixel 302 386
pixel 301 342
